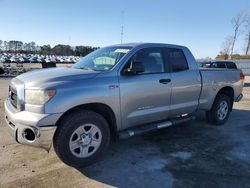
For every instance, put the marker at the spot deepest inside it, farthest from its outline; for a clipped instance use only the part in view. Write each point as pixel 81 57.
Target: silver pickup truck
pixel 118 91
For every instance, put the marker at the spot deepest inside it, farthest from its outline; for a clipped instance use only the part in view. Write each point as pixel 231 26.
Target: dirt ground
pixel 190 155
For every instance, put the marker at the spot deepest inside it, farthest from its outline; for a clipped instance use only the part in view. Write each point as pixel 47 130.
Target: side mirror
pixel 135 68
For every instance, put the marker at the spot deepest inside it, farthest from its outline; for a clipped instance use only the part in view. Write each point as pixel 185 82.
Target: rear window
pixel 177 60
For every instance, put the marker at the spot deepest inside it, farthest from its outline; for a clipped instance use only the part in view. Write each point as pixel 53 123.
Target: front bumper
pixel 42 125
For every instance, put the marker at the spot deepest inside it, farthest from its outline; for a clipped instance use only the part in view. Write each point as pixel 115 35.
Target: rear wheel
pixel 81 138
pixel 220 111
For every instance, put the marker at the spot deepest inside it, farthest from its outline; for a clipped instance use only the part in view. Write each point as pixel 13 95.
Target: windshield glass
pixel 102 59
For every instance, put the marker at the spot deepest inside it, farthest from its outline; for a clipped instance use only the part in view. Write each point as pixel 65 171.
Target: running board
pixel 153 127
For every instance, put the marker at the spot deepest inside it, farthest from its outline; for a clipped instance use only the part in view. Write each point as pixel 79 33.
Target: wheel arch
pixel 228 91
pixel 100 108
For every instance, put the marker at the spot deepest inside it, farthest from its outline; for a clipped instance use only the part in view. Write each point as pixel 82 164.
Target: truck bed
pixel 213 79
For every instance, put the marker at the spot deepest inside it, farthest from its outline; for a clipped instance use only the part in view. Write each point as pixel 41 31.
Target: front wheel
pixel 81 138
pixel 220 111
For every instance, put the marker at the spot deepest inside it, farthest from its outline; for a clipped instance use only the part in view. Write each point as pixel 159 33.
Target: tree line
pixel 241 26
pixel 14 46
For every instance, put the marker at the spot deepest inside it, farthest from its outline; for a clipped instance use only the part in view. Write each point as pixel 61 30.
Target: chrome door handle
pixel 165 81
pixel 113 86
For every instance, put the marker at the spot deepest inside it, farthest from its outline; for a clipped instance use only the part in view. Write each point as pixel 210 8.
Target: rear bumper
pixel 41 125
pixel 238 99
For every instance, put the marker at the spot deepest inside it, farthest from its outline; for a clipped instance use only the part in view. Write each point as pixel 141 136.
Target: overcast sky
pixel 199 25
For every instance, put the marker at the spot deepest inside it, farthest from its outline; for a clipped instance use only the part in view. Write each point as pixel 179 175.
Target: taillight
pixel 242 76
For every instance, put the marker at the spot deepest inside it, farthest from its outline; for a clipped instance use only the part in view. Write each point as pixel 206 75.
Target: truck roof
pixel 145 44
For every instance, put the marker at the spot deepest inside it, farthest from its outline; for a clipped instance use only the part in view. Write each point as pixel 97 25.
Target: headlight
pixel 38 97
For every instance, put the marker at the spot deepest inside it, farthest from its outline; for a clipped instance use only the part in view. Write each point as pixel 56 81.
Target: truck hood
pixel 51 77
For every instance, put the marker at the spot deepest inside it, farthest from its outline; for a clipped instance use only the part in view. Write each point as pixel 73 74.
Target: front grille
pixel 13 97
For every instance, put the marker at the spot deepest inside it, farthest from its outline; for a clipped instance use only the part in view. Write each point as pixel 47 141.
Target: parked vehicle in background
pixel 224 64
pixel 218 64
pixel 36 58
pixel 1 70
pixel 117 91
pixel 48 65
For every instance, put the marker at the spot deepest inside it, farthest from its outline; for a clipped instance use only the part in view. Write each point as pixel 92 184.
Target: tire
pixel 218 116
pixel 76 136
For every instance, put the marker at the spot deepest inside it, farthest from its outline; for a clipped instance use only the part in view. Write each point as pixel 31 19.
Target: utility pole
pixel 122 27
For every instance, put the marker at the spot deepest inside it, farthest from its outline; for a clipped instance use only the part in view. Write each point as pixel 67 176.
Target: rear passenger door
pixel 186 83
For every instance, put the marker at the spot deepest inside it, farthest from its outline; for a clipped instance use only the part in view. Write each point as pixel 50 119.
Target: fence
pixel 244 65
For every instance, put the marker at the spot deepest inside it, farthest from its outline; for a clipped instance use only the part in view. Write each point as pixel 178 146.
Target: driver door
pixel 145 97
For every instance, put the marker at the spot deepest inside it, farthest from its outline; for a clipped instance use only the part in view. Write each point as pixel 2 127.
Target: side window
pixel 177 60
pixel 221 65
pixel 152 59
pixel 213 65
pixel 231 65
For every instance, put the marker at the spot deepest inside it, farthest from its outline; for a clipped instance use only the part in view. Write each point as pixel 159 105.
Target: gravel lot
pixel 192 155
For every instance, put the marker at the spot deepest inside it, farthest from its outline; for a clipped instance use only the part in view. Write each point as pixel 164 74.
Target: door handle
pixel 165 81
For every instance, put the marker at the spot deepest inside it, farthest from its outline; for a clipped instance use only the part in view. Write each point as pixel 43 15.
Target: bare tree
pixel 226 46
pixel 237 22
pixel 247 35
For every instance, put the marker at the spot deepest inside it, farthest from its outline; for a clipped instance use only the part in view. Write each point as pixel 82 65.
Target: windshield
pixel 102 59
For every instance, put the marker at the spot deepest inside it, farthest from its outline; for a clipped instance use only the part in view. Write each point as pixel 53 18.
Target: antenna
pixel 122 27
